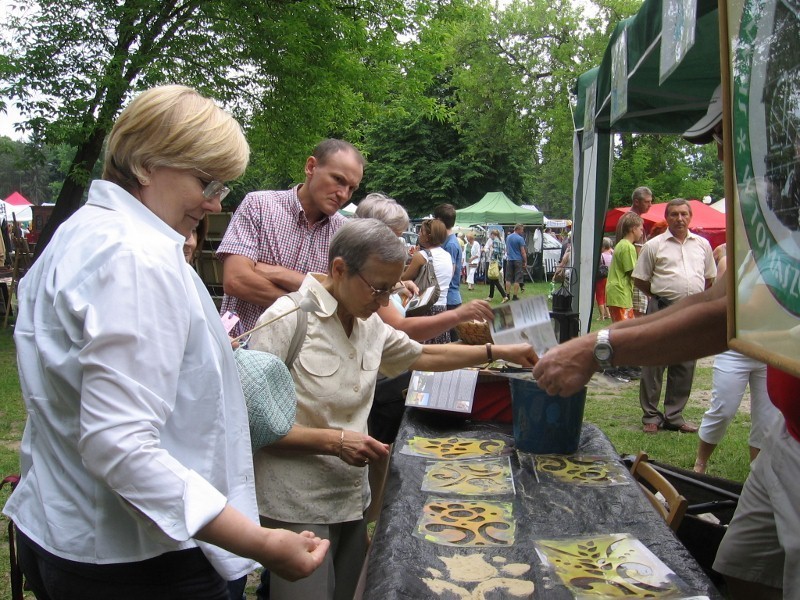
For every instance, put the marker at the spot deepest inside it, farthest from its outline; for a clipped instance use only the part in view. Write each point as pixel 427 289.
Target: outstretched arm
pixel 427 327
pixel 447 357
pixel 691 328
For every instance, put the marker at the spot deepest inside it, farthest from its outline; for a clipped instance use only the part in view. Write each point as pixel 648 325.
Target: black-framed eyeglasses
pixel 379 293
pixel 213 187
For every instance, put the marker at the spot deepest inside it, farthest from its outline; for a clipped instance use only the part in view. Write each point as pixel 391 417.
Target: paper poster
pixel 765 121
pixel 678 19
pixel 448 390
pixel 619 77
pixel 525 321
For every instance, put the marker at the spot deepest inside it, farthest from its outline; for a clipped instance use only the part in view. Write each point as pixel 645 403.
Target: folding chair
pixel 651 481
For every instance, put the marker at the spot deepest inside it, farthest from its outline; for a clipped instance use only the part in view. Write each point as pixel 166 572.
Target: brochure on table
pixel 451 390
pixel 524 321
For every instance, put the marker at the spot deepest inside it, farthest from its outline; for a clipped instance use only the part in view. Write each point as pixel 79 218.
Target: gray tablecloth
pixel 398 561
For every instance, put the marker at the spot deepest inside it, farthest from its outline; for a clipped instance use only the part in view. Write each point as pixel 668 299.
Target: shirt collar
pixel 299 213
pixel 107 194
pixel 312 285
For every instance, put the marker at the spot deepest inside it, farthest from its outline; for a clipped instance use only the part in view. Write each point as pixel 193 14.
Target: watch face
pixel 602 353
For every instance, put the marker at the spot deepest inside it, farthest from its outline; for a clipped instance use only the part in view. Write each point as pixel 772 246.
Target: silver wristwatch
pixel 603 352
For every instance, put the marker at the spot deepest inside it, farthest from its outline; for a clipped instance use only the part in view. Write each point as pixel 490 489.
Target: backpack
pixel 425 279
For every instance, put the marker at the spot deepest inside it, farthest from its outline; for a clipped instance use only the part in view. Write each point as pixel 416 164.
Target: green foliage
pixel 669 166
pixel 449 99
pixel 292 72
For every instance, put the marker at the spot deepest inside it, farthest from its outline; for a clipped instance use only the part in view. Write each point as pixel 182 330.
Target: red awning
pixel 706 221
pixel 17 199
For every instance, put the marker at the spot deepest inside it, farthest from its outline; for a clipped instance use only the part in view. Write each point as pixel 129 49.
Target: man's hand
pixel 566 368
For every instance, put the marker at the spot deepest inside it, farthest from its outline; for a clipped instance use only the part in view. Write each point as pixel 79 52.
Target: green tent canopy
pixel 667 107
pixel 496 207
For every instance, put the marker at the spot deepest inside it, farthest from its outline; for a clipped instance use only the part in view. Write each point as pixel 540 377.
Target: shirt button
pixel 352 355
pixel 357 483
pixel 356 388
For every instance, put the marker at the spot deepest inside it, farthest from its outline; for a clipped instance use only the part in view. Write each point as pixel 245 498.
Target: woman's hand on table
pixel 358 449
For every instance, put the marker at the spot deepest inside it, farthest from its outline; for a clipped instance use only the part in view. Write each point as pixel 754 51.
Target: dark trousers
pixel 453 332
pixel 679 385
pixel 181 575
pixel 498 284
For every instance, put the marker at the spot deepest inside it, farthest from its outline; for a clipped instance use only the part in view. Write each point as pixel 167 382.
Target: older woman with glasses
pixel 315 478
pixel 136 462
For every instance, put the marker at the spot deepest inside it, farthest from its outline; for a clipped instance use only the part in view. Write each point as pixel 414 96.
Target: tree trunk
pixel 69 198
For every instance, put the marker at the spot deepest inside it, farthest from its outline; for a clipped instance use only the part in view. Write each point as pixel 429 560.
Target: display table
pixel 398 561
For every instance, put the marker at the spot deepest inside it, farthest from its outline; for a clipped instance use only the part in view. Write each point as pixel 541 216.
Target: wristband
pixel 341 444
pixel 489 351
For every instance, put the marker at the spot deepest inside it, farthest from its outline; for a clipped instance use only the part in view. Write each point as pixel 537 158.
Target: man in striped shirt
pixel 276 237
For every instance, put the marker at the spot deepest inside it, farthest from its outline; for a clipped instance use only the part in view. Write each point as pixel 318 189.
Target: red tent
pixel 706 221
pixel 17 199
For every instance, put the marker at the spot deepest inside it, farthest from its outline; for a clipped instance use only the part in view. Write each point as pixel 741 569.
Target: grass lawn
pixel 614 407
pixel 611 405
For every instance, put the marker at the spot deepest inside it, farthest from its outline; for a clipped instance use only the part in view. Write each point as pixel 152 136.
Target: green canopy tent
pixel 496 207
pixel 630 77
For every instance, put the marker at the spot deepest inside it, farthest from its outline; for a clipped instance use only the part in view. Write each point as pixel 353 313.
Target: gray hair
pixel 641 193
pixel 359 239
pixel 677 202
pixel 385 209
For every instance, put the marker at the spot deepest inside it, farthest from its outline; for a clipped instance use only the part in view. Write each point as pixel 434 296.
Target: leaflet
pixel 524 321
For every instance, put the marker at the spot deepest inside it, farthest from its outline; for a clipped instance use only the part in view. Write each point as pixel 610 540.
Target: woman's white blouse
pixel 137 431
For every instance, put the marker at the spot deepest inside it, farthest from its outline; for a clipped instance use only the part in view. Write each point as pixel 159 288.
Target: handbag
pixel 494 270
pixel 268 388
pixel 428 286
pixel 602 271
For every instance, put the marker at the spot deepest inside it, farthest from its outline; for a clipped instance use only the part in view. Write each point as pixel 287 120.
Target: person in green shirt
pixel 619 286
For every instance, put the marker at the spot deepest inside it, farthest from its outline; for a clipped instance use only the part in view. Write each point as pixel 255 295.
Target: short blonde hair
pixel 174 126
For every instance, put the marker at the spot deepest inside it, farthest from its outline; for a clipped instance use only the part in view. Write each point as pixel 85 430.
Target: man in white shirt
pixel 671 266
